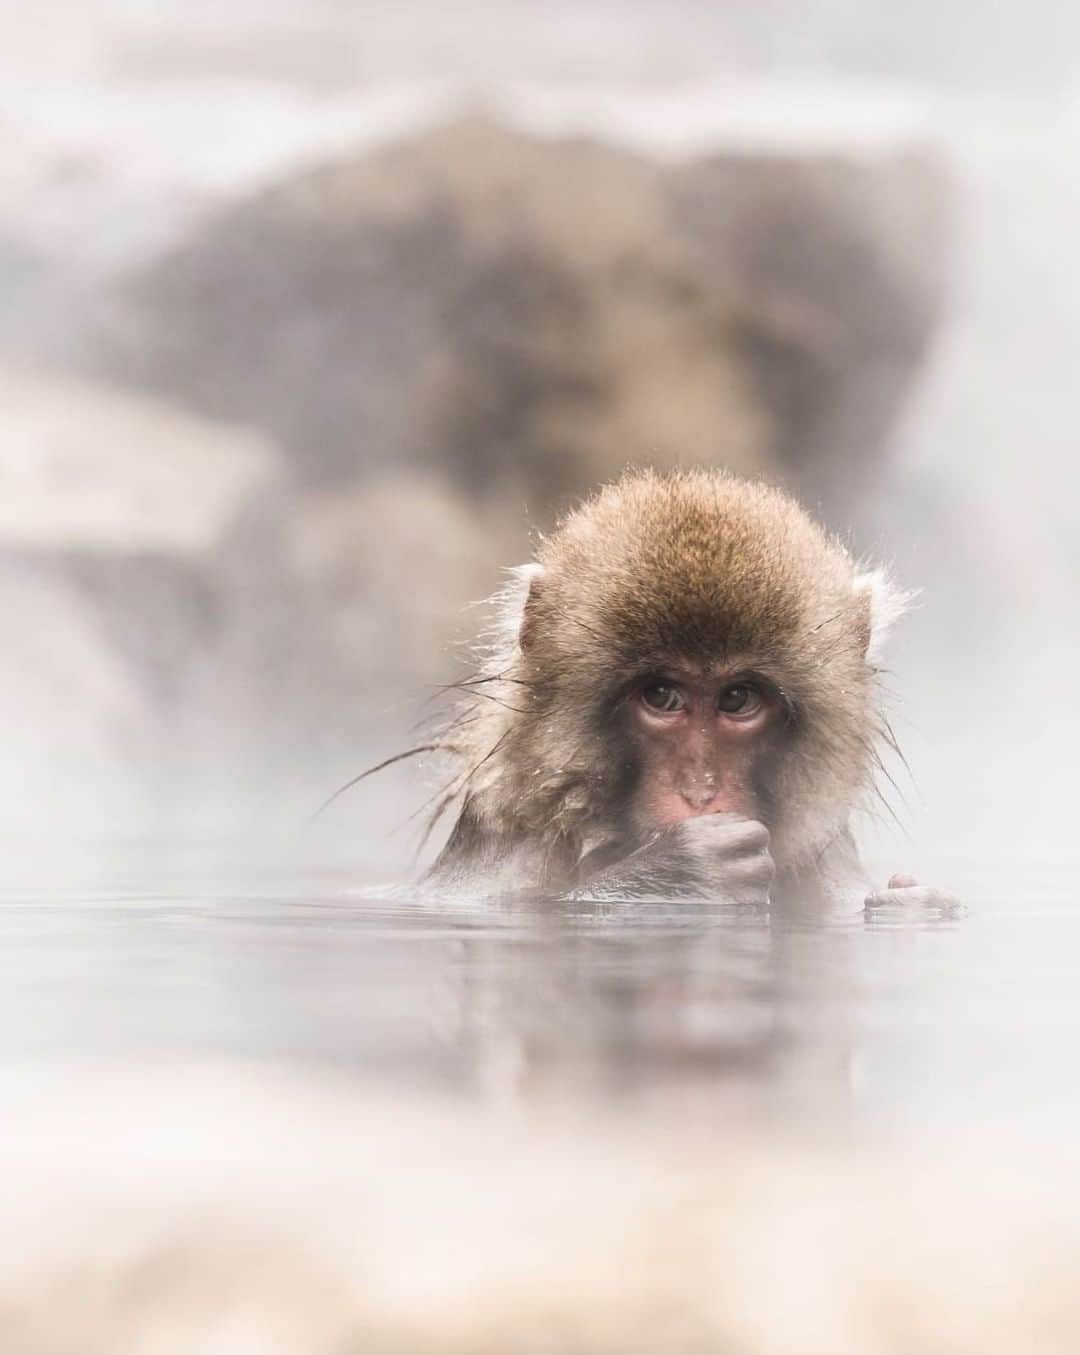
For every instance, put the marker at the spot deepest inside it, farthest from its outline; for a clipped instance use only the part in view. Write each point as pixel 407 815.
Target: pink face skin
pixel 700 734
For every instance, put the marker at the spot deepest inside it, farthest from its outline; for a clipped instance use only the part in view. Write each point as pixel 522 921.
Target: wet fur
pixel 699 565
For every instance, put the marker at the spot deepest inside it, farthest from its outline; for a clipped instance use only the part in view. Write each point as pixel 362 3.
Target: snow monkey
pixel 680 699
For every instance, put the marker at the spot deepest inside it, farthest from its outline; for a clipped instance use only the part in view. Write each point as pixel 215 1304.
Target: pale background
pixel 159 677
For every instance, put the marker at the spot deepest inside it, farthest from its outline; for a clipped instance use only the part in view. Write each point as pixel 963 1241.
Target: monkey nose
pixel 710 793
pixel 698 797
pixel 704 794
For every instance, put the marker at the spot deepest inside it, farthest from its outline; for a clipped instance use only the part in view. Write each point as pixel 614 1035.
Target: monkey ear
pixel 520 599
pixel 882 604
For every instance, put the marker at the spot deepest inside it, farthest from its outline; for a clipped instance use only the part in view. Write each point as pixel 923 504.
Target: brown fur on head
pixel 697 566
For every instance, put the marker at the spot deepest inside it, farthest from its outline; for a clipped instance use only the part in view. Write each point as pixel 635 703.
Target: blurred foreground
pixel 258 1111
pixel 264 1112
pixel 211 1209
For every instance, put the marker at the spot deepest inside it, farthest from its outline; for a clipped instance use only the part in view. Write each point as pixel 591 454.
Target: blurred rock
pixel 392 564
pixel 340 612
pixel 24 281
pixel 526 315
pixel 62 684
pixel 836 272
pixel 18 264
pixel 171 601
pixel 228 1208
pixel 113 510
pixel 437 345
pixel 83 468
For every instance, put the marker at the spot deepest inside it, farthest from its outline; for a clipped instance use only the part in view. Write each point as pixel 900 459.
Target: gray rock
pixel 115 512
pixel 526 315
pixel 173 604
pixel 85 468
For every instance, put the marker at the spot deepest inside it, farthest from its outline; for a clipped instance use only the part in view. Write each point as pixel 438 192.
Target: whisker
pixel 380 766
pixel 476 691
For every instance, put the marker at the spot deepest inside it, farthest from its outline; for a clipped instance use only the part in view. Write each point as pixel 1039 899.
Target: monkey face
pixel 681 646
pixel 702 738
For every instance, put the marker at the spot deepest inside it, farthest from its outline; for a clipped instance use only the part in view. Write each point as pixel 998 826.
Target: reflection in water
pixel 583 1002
pixel 636 999
pixel 905 1021
pixel 306 1132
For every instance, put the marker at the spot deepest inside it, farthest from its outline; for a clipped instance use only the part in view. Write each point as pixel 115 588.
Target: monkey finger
pixel 913 898
pixel 752 837
pixel 755 866
pixel 737 834
pixel 747 881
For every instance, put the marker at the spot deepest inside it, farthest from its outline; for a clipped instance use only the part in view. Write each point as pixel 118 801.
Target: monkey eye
pixel 663 697
pixel 739 699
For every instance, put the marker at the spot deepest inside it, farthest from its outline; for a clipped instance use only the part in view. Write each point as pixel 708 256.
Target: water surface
pixel 146 950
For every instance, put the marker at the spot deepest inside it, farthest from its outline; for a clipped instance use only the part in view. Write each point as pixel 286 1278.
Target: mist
pixel 316 318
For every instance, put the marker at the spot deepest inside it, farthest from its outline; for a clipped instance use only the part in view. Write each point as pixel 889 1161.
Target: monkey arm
pixel 835 882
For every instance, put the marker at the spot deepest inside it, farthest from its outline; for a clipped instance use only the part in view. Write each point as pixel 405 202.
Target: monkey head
pixel 682 645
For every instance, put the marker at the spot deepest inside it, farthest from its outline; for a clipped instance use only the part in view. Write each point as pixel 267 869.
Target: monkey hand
pixel 903 893
pixel 721 857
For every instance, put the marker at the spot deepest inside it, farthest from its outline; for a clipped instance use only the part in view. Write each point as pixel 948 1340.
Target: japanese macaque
pixel 680 698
